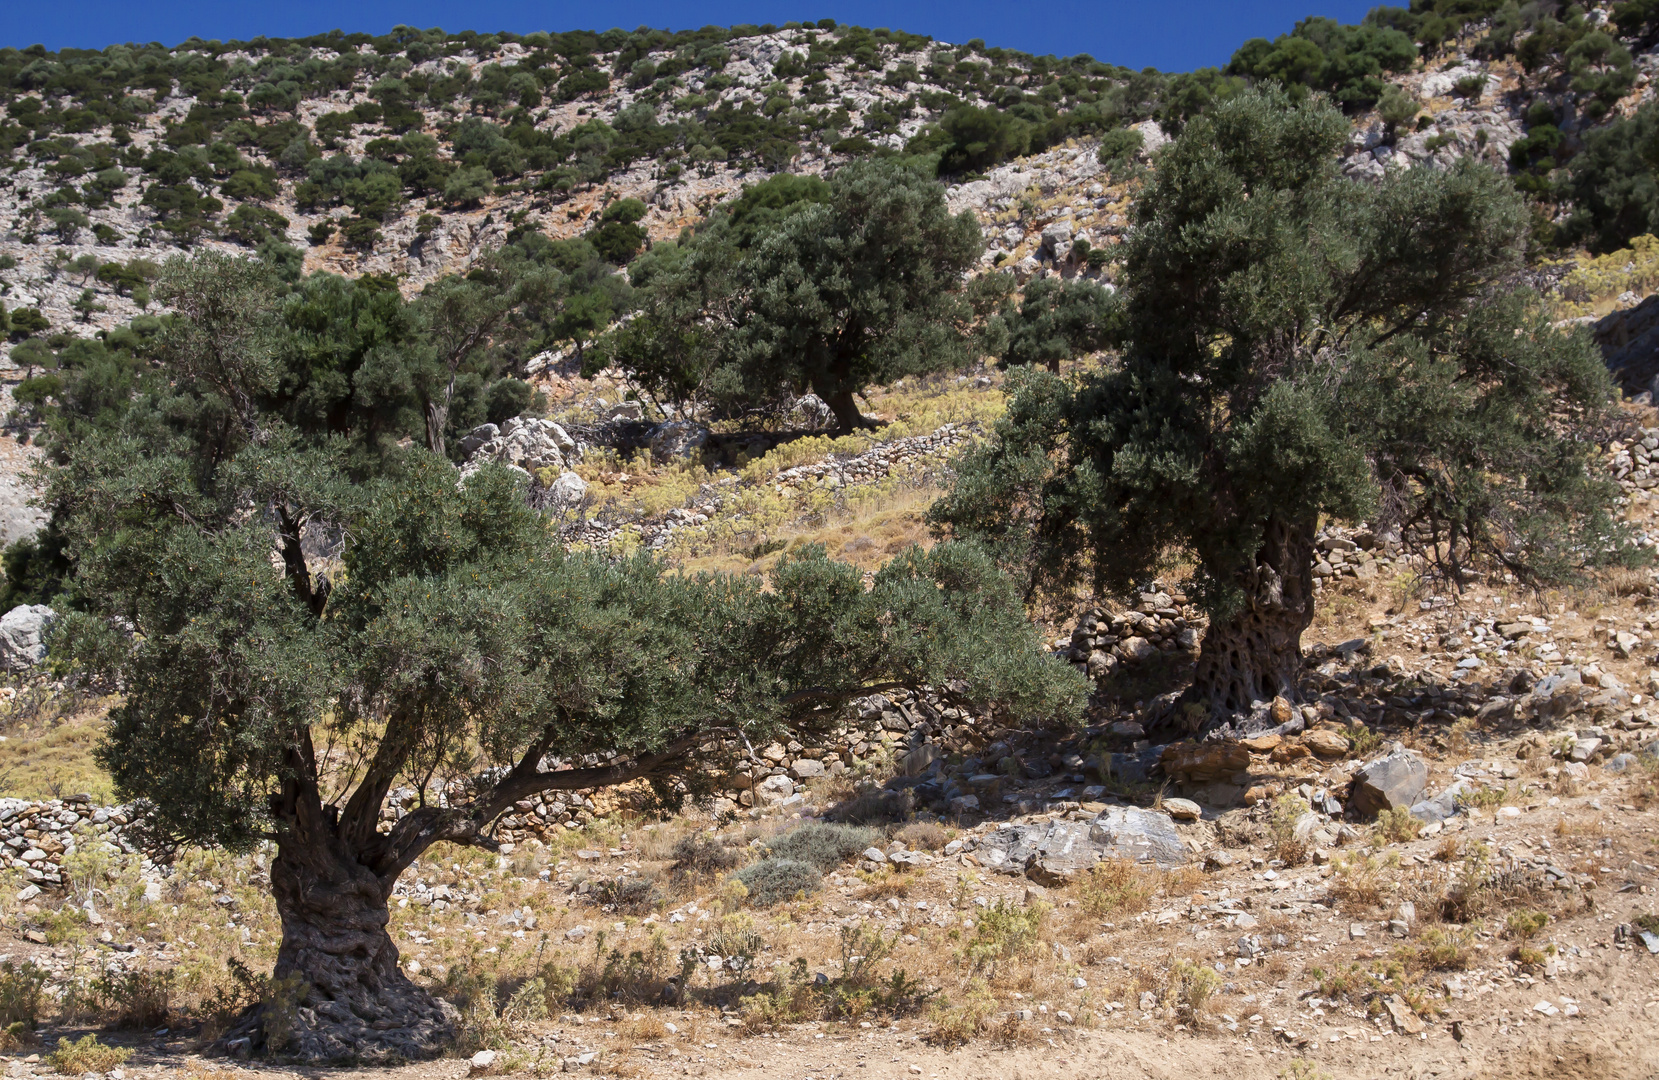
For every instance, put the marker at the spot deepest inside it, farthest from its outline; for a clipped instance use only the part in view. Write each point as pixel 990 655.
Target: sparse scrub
pixel 1355 885
pixel 1004 931
pixel 924 835
pixel 85 1055
pixel 1115 886
pixel 22 990
pixel 958 1021
pixel 823 847
pixel 1396 826
pixel 1282 826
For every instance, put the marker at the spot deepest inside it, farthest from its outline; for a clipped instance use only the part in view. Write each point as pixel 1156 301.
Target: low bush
pixel 701 853
pixel 1004 932
pixel 635 894
pixel 86 1055
pixel 1115 885
pixel 772 881
pixel 1445 949
pixel 878 807
pixel 21 992
pixel 924 835
pixel 822 847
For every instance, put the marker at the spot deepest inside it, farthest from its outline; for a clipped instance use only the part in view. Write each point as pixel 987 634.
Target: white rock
pixel 23 635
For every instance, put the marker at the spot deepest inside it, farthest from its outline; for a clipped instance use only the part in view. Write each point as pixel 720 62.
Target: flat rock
pixel 1182 809
pixel 1054 852
pixel 1128 832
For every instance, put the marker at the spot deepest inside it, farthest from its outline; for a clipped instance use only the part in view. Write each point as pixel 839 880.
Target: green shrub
pixel 772 881
pixel 1003 932
pixel 1119 146
pixel 822 847
pixel 21 988
pixel 86 1055
pixel 1397 825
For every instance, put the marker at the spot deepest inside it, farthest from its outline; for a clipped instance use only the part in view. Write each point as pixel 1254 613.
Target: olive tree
pixel 298 628
pixel 829 290
pixel 1299 346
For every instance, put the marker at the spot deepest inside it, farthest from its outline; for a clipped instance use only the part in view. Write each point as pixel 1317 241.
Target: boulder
pixel 806 768
pixel 1134 767
pixel 1047 853
pixel 1183 809
pixel 676 439
pixel 1629 342
pixel 1443 805
pixel 568 489
pixel 1326 744
pixel 23 632
pixel 774 789
pixel 1389 782
pixel 1199 763
pixel 919 760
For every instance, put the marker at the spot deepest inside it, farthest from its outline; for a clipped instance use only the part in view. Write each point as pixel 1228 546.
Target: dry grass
pixel 50 757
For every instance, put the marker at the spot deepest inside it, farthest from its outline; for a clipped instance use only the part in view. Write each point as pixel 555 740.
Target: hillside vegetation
pixel 781 533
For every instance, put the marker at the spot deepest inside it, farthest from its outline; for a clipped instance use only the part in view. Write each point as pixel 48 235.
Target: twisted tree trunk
pixel 847 414
pixel 337 994
pixel 1255 654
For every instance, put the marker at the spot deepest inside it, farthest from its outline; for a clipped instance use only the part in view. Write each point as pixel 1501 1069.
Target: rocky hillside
pixel 412 152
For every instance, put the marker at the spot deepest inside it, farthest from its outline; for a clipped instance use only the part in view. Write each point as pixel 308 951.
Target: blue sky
pixel 1175 35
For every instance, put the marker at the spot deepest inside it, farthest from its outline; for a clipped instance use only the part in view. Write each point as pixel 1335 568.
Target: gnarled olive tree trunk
pixel 1254 654
pixel 337 993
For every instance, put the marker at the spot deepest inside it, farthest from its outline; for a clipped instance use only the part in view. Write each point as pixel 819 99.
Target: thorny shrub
pixel 794 995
